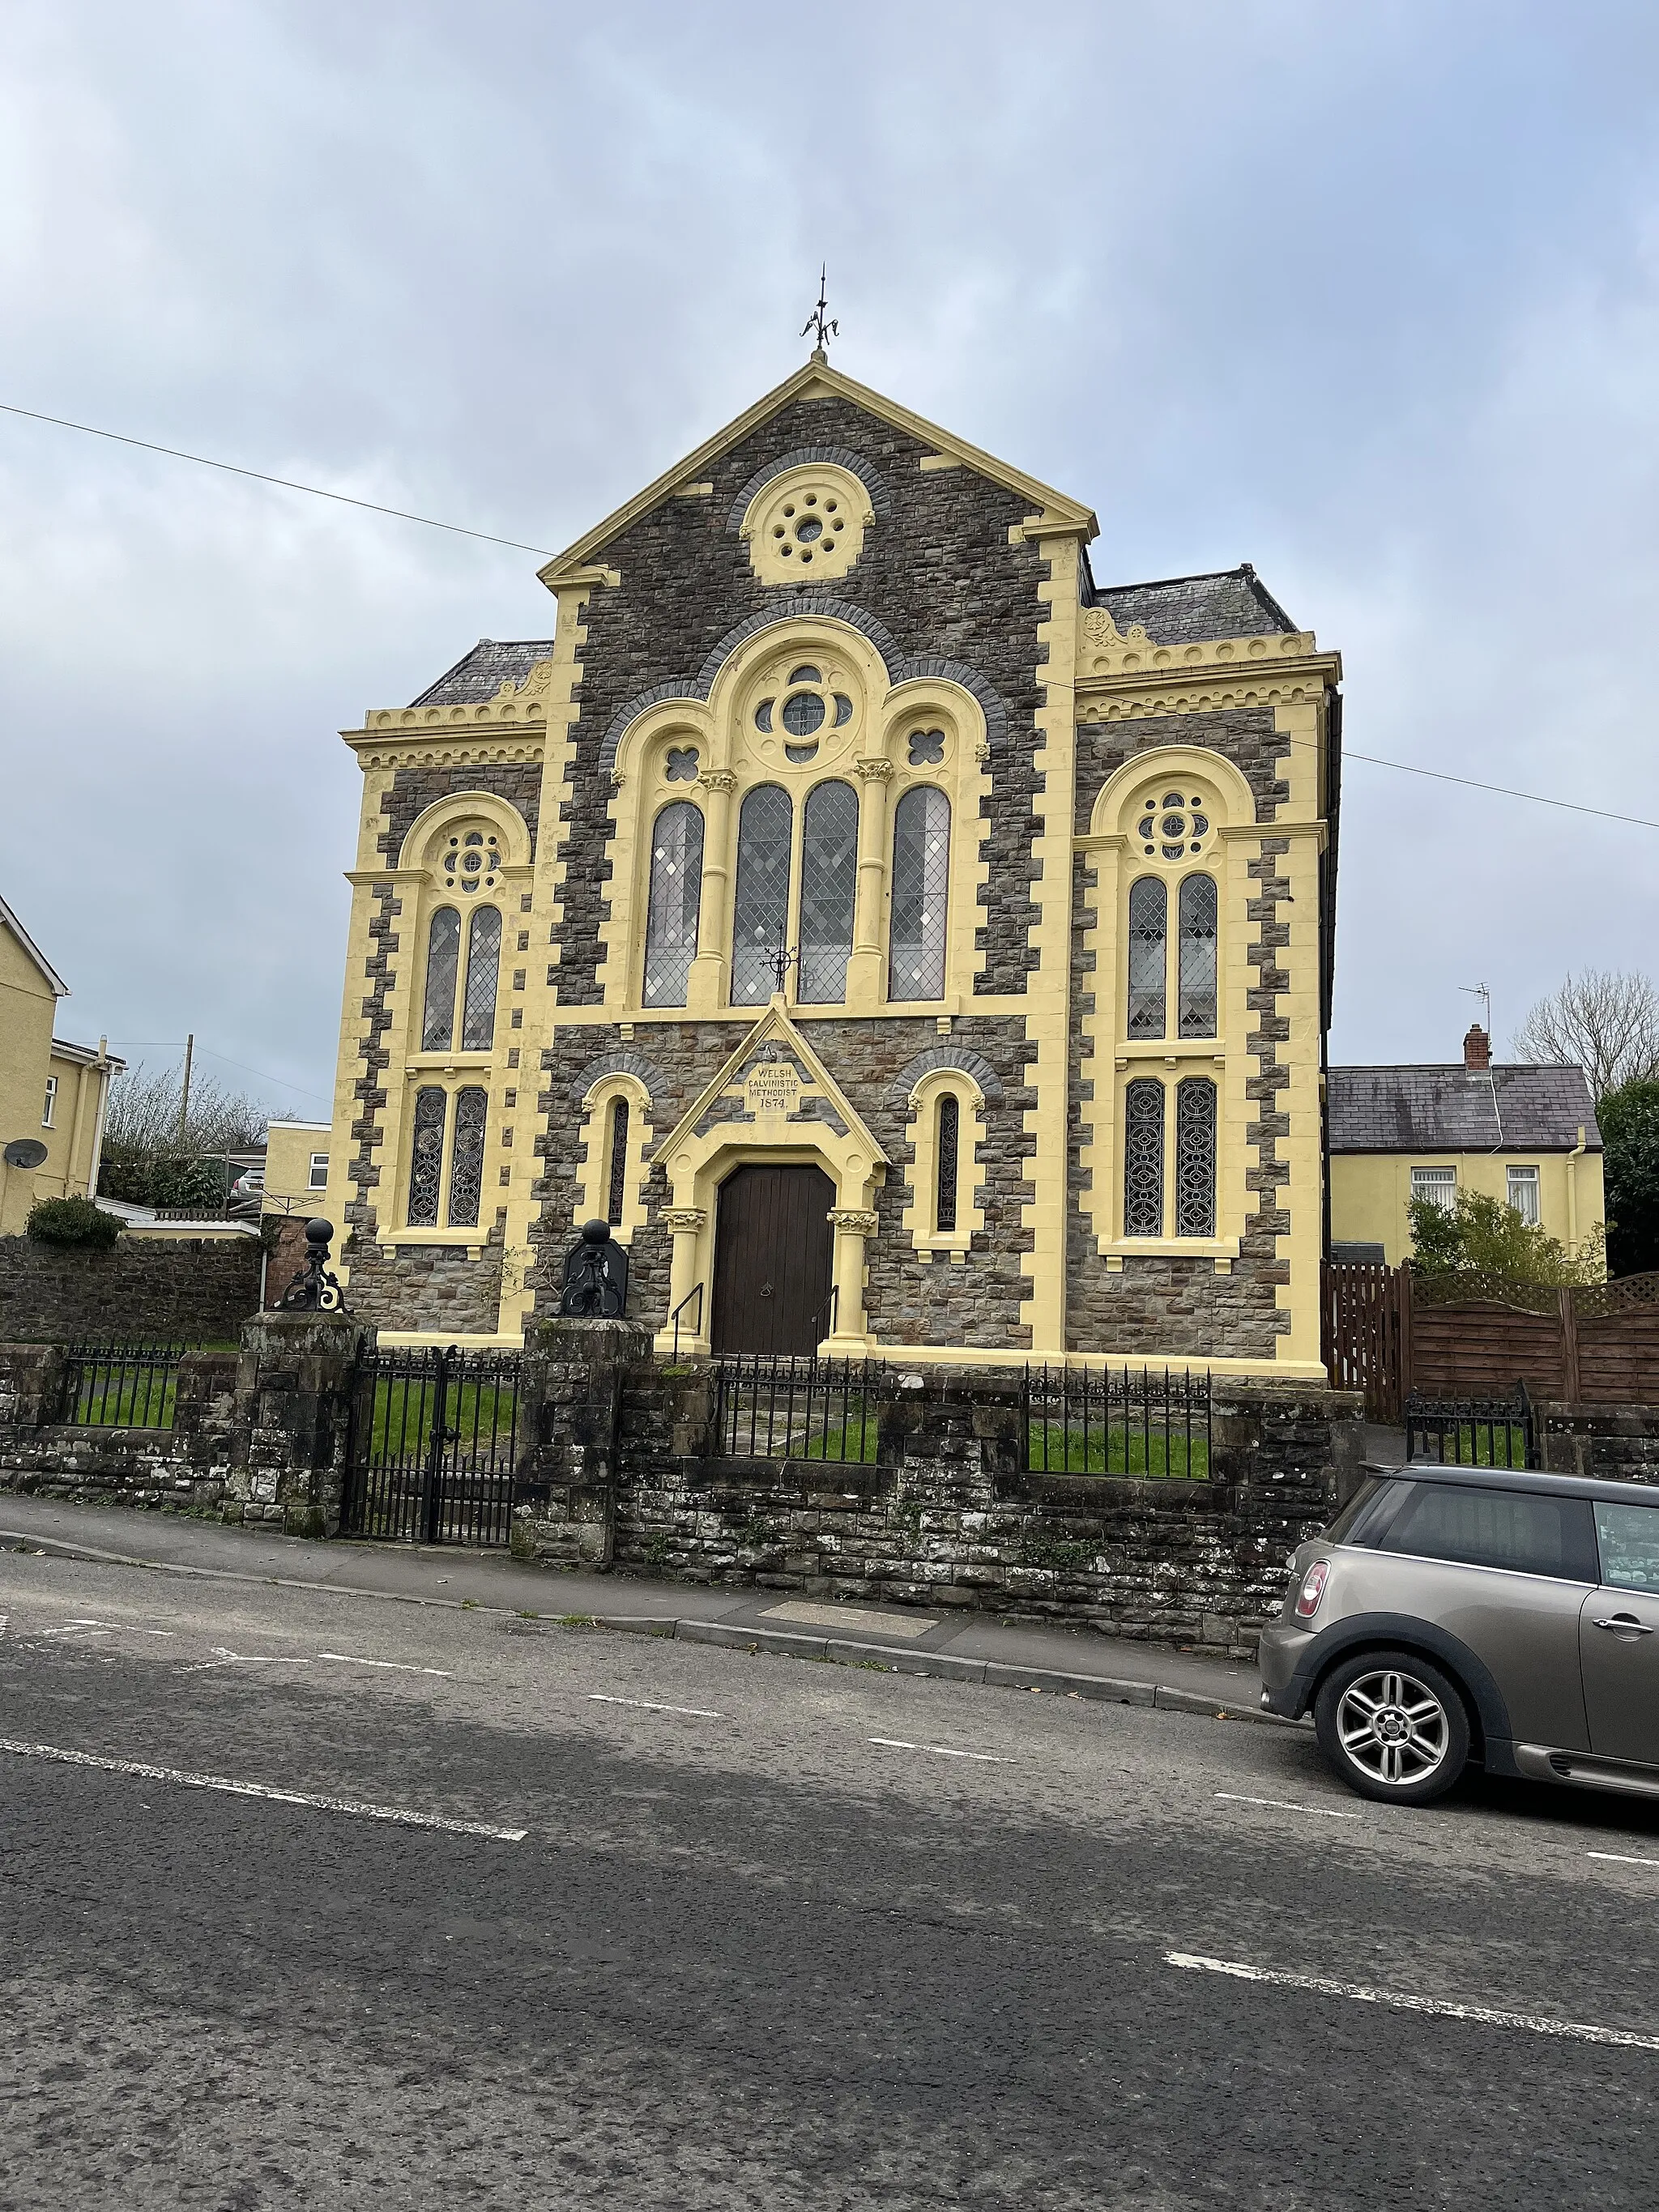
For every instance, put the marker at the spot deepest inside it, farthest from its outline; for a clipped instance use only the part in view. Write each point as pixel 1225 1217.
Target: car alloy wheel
pixel 1393 1728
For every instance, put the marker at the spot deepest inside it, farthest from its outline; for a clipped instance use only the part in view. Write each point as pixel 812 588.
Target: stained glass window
pixel 1143 1158
pixel 426 1158
pixel 829 880
pixel 1148 924
pixel 1195 1157
pixel 618 1190
pixel 675 898
pixel 944 1196
pixel 921 874
pixel 1198 949
pixel 467 1166
pixel 759 921
pixel 443 956
pixel 483 963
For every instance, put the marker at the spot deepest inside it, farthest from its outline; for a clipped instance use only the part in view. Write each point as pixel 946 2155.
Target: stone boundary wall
pixel 1611 1443
pixel 177 1291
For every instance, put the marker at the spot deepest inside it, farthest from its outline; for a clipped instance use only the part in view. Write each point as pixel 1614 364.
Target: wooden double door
pixel 774 1255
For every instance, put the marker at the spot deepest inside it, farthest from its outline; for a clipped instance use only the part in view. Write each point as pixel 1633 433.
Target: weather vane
pixel 818 320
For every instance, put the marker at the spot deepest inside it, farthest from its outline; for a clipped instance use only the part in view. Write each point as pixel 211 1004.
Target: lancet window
pixel 674 904
pixel 829 881
pixel 760 925
pixel 921 875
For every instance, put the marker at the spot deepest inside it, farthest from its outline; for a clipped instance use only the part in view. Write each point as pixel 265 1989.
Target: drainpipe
pixel 103 1108
pixel 1573 1157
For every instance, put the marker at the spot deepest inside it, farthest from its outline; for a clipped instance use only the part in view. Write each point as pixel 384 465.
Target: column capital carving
pixel 874 769
pixel 856 1219
pixel 718 778
pixel 685 1219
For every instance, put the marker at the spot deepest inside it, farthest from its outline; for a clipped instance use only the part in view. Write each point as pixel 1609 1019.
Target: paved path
pixel 311 1902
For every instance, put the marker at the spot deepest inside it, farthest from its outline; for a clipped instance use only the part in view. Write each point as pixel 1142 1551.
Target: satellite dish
pixel 25 1153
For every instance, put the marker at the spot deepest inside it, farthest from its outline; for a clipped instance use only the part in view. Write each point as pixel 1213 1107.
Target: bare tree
pixel 1606 1024
pixel 142 1117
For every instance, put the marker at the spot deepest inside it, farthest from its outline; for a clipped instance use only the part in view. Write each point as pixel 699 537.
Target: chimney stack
pixel 1477 1050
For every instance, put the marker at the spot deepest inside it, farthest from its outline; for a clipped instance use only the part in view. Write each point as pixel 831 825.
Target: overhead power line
pixel 177 1044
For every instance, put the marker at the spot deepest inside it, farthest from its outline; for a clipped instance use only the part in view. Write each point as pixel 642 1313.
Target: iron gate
pixel 433 1436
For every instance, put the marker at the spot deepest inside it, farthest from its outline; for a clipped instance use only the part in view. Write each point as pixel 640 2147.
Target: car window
pixel 1629 1537
pixel 1367 1512
pixel 1527 1532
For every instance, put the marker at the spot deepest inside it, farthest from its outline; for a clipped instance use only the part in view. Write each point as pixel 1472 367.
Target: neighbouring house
pixel 296 1168
pixel 52 1094
pixel 1526 1135
pixel 907 942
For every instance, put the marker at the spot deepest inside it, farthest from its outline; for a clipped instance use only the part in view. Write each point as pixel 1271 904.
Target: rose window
pixel 472 860
pixel 809 706
pixel 1171 824
pixel 802 522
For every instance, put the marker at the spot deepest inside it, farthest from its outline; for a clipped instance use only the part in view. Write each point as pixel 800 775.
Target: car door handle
pixel 1625 1624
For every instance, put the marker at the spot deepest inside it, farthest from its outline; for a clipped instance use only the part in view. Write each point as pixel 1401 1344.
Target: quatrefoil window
pixel 472 858
pixel 926 748
pixel 1171 824
pixel 681 764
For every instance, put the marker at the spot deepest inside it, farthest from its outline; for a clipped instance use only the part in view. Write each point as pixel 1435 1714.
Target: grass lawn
pixel 1051 1450
pixel 109 1399
pixel 403 1411
pixel 1481 1444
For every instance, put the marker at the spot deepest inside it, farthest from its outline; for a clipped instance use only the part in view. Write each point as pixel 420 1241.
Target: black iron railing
pixel 434 1436
pixel 1139 1421
pixel 1473 1431
pixel 121 1386
pixel 772 1406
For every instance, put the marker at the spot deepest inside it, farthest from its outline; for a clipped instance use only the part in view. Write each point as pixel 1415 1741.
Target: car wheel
pixel 1393 1726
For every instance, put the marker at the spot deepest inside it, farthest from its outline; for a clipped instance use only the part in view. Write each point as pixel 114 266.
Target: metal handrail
pixel 695 1291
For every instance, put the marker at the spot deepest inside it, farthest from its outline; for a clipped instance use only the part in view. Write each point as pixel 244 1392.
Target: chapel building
pixel 906 942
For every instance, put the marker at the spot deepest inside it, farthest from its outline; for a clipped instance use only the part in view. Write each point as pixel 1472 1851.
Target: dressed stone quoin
pixel 903 942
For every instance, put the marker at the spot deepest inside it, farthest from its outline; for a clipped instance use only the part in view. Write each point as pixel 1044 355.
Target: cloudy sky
pixel 1366 296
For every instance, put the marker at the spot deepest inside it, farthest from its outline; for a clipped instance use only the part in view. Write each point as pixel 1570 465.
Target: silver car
pixel 1451 1613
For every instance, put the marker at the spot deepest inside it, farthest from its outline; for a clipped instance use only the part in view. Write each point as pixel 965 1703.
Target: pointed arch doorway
pixel 774 1257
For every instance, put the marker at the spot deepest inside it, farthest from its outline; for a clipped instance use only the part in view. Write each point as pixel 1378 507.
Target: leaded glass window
pixel 618 1190
pixel 829 880
pixel 443 959
pixel 921 875
pixel 1197 956
pixel 1143 1158
pixel 1195 1157
pixel 425 1158
pixel 1148 928
pixel 945 1195
pixel 467 1166
pixel 484 965
pixel 675 902
pixel 759 921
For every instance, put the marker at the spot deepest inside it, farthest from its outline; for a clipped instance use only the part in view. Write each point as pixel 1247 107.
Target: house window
pixel 426 1156
pixel 1196 1155
pixel 759 922
pixel 1197 978
pixel 466 1167
pixel 829 879
pixel 318 1171
pixel 51 1102
pixel 1148 944
pixel 1523 1193
pixel 1143 1158
pixel 1437 1185
pixel 676 901
pixel 945 1149
pixel 617 1190
pixel 443 960
pixel 921 875
pixel 483 960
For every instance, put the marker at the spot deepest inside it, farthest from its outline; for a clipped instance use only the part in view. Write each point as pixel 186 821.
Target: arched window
pixel 829 880
pixel 760 920
pixel 1195 1157
pixel 676 900
pixel 921 875
pixel 1143 1157
pixel 426 1152
pixel 1148 933
pixel 467 1166
pixel 443 959
pixel 1196 983
pixel 483 963
pixel 617 1187
pixel 944 1161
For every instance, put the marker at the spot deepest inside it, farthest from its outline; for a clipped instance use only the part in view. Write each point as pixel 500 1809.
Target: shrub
pixel 72 1221
pixel 1479 1240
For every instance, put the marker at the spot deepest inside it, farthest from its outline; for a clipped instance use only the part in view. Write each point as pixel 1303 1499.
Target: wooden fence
pixel 1387 1333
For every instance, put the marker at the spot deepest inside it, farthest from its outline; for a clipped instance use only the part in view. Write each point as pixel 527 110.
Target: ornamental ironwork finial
pixel 819 319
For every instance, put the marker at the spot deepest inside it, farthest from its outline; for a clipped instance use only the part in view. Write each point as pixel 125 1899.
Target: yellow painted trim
pixel 921 1170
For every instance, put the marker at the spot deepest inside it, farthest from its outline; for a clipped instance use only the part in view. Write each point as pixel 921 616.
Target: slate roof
pixel 1447 1109
pixel 480 674
pixel 1195 610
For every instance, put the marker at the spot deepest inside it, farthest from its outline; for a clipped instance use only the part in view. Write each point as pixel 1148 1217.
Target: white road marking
pixel 397 1665
pixel 75 1627
pixel 1284 1805
pixel 400 1814
pixel 1623 1858
pixel 223 1658
pixel 644 1705
pixel 938 1750
pixel 1443 2009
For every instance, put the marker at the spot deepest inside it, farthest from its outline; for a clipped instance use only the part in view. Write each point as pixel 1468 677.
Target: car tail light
pixel 1312 1590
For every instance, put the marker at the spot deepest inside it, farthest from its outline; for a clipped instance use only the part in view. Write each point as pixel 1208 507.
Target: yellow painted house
pixel 52 1094
pixel 1525 1135
pixel 907 942
pixel 296 1168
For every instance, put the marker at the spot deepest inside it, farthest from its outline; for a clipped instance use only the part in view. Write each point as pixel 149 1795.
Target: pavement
pixel 949 1644
pixel 311 1901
